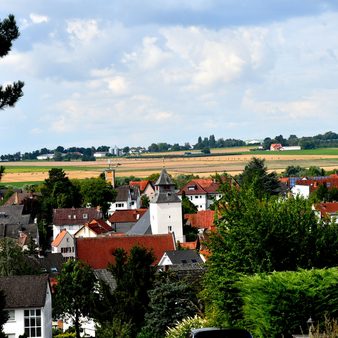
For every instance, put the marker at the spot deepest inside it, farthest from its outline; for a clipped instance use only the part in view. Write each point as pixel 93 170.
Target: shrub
pixel 183 328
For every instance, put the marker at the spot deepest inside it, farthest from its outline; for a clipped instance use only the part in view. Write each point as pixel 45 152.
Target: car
pixel 214 332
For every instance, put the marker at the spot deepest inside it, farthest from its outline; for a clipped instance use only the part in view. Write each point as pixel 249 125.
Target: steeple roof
pixel 164 179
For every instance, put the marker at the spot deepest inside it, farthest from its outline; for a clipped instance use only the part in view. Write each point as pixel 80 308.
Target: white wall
pixel 166 218
pixel 70 228
pixel 301 190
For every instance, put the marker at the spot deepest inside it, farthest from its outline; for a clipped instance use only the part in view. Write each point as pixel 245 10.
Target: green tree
pixel 9 31
pixel 95 192
pixel 13 262
pixel 134 275
pixel 255 176
pixel 171 300
pixel 292 170
pixel 262 235
pixel 75 294
pixel 57 192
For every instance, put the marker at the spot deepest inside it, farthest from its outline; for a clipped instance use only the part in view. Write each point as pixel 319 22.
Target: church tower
pixel 166 208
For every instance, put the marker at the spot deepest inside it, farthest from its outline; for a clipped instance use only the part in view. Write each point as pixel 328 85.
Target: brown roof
pixel 200 186
pixel 126 216
pixel 24 291
pixel 99 226
pixel 19 197
pixel 75 216
pixel 202 219
pixel 98 252
pixel 58 239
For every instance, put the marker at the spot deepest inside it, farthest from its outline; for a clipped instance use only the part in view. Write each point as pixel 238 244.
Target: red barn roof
pixel 98 251
pixel 327 208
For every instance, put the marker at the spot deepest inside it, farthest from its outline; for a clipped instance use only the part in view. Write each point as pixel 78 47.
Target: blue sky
pixel 128 72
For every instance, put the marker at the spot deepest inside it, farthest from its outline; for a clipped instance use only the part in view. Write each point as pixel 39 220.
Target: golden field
pixel 143 167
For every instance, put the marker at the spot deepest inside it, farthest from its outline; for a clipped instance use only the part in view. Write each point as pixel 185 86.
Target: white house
pixel 64 244
pixel 72 219
pixel 201 192
pixel 29 305
pixel 127 198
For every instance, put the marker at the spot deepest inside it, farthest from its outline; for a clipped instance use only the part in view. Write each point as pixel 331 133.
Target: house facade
pixel 72 219
pixel 64 244
pixel 201 192
pixel 127 198
pixel 29 304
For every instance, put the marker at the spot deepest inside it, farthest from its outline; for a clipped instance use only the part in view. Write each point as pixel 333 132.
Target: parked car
pixel 213 332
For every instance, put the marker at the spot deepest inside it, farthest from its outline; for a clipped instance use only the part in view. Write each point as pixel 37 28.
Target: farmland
pixel 231 160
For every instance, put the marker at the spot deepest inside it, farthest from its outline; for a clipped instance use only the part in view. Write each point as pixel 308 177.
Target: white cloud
pixel 118 85
pixel 82 30
pixel 37 19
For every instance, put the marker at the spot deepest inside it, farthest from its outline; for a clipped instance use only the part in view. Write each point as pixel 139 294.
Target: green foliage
pixel 145 201
pixel 134 275
pixel 9 192
pixel 256 177
pixel 95 192
pixel 171 300
pixel 57 192
pixel 75 294
pixel 182 179
pixel 13 262
pixel 278 304
pixel 9 31
pixel 2 170
pixel 65 335
pixel 182 329
pixel 116 329
pixel 187 206
pixel 262 235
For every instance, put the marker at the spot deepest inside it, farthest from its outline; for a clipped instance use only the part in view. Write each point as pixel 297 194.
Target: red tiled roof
pixel 126 216
pixel 189 245
pixel 275 146
pixel 75 216
pixel 99 226
pixel 98 252
pixel 141 184
pixel 59 238
pixel 330 182
pixel 19 197
pixel 327 208
pixel 202 219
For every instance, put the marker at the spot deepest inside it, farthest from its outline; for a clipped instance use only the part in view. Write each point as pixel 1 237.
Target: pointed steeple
pixel 165 189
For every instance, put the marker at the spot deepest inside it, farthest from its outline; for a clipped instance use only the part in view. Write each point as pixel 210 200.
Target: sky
pixel 132 73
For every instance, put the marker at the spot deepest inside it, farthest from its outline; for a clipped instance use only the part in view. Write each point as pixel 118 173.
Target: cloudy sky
pixel 131 72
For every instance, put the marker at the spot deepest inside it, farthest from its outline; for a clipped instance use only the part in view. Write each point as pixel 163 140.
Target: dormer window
pixel 85 216
pixel 74 216
pixel 191 187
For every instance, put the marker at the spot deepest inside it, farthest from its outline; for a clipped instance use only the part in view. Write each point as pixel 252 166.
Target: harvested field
pixel 142 167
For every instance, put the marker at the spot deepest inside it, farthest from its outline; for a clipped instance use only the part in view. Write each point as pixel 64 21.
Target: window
pixel 85 216
pixel 69 216
pixel 170 228
pixel 74 216
pixel 11 315
pixel 32 320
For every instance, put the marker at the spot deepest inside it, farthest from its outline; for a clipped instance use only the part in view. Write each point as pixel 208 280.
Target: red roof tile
pixel 327 208
pixel 202 219
pixel 99 226
pixel 141 184
pixel 126 216
pixel 98 252
pixel 189 245
pixel 59 238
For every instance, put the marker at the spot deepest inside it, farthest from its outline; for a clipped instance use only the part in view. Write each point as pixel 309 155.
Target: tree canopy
pixel 75 295
pixel 262 235
pixel 9 31
pixel 256 176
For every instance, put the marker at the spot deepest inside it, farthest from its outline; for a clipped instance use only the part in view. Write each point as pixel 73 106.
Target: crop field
pixel 230 160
